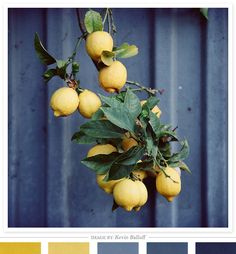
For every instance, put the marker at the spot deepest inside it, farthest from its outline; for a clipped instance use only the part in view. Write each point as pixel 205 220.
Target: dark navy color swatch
pixel 117 248
pixel 215 248
pixel 167 248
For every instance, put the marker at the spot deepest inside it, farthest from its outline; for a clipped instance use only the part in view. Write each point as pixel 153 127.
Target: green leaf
pixel 61 68
pixel 154 122
pixel 118 171
pixel 101 129
pixel 42 53
pixel 144 165
pixel 120 117
pixel 49 74
pixel 93 21
pixel 75 68
pixel 132 104
pixel 132 156
pixel 204 12
pixel 100 163
pixel 151 102
pixel 107 57
pixel 182 154
pixel 81 138
pixel 111 101
pixel 171 134
pixel 183 166
pixel 98 115
pixel 125 51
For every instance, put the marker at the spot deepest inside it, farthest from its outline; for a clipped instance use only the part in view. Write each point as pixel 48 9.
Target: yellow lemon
pixel 126 194
pixel 106 186
pixel 112 78
pixel 89 103
pixel 140 174
pixel 155 110
pixel 128 142
pixel 97 42
pixel 143 195
pixel 101 149
pixel 64 101
pixel 168 184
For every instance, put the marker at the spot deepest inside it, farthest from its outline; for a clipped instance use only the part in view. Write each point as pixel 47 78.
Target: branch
pixel 148 90
pixel 81 23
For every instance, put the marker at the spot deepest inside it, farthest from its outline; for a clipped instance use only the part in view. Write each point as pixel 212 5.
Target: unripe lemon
pixel 64 101
pixel 128 142
pixel 168 186
pixel 89 103
pixel 98 41
pixel 143 195
pixel 106 186
pixel 112 78
pixel 126 194
pixel 101 149
pixel 155 110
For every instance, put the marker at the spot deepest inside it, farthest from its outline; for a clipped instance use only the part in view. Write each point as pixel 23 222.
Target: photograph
pixel 118 118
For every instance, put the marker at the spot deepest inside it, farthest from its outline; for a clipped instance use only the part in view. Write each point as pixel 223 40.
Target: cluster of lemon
pixel 128 193
pixel 66 100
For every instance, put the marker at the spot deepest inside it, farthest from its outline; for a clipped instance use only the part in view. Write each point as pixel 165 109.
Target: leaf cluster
pixel 123 113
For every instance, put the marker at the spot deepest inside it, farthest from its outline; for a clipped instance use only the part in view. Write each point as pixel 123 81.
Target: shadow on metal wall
pixel 179 51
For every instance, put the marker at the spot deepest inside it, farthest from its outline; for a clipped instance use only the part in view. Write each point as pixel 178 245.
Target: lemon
pixel 101 149
pixel 155 110
pixel 140 174
pixel 97 42
pixel 112 78
pixel 126 194
pixel 143 195
pixel 64 101
pixel 89 103
pixel 128 142
pixel 168 186
pixel 106 186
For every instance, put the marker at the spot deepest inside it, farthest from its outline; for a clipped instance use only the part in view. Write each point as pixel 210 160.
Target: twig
pixel 105 17
pixel 112 22
pixel 148 90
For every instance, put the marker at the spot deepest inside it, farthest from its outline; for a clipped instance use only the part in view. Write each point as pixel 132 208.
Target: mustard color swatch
pixel 68 248
pixel 20 248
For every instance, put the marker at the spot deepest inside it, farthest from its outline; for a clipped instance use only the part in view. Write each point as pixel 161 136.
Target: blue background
pixel 179 51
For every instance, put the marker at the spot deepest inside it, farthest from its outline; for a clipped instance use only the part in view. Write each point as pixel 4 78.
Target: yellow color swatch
pixel 68 248
pixel 20 248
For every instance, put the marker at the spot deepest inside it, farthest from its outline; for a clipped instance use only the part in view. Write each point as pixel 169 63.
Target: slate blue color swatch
pixel 167 248
pixel 118 248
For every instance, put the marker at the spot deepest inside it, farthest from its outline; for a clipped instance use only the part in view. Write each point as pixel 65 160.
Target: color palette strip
pixel 118 248
pixel 167 248
pixel 20 248
pixel 216 248
pixel 68 248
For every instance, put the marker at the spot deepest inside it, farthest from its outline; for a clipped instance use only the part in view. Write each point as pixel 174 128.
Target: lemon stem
pixel 148 90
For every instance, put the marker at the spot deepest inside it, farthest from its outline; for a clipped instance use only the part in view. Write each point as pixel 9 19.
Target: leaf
pixel 204 12
pixel 98 115
pixel 107 57
pixel 42 53
pixel 100 163
pixel 118 171
pixel 93 21
pixel 101 129
pixel 182 154
pixel 111 101
pixel 75 68
pixel 125 51
pixel 120 117
pixel 167 133
pixel 183 166
pixel 61 68
pixel 151 102
pixel 81 138
pixel 144 165
pixel 132 104
pixel 132 156
pixel 50 73
pixel 154 122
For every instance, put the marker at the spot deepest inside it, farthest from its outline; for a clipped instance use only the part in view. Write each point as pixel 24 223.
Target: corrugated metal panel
pixel 179 51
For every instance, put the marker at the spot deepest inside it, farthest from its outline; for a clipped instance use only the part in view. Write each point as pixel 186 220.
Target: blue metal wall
pixel 181 52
